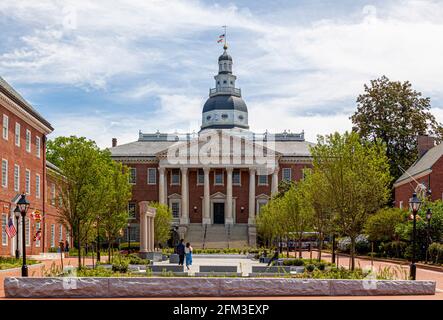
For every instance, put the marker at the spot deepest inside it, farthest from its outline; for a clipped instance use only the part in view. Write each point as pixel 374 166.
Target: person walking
pixel 181 252
pixel 274 257
pixel 188 252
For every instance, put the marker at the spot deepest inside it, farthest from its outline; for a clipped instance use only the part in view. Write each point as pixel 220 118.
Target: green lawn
pixel 12 262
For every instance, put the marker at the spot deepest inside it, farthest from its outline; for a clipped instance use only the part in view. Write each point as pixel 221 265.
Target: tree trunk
pixel 109 250
pixel 352 253
pixel 320 246
pixel 287 247
pixel 299 246
pixel 79 245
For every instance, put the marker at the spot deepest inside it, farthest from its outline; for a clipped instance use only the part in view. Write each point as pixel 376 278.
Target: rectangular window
pixel 175 207
pixel 53 194
pixel 287 174
pixel 218 178
pixel 68 237
pixel 27 232
pixel 132 175
pixel 4 235
pixel 175 176
pixel 17 178
pixel 5 126
pixel 262 180
pixel 131 211
pixel 236 177
pixel 28 140
pixel 37 228
pixel 152 176
pixel 4 173
pixel 401 205
pixel 60 233
pixel 37 185
pixel 200 176
pixel 17 134
pixel 260 205
pixel 52 235
pixel 37 147
pixel 28 182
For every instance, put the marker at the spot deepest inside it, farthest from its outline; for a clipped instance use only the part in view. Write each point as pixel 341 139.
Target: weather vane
pixel 222 38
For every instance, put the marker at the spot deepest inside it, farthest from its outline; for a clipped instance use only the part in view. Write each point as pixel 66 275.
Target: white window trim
pixel 52 240
pixel 60 233
pixel 37 147
pixel 5 125
pixel 27 232
pixel 135 175
pixel 155 176
pixel 27 181
pixel 135 210
pixel 17 182
pixel 179 178
pixel 53 194
pixel 239 181
pixel 257 205
pixel 28 141
pixel 37 185
pixel 203 175
pixel 3 224
pixel 400 205
pixel 178 201
pixel 262 184
pixel 283 174
pixel 17 134
pixel 215 179
pixel 4 179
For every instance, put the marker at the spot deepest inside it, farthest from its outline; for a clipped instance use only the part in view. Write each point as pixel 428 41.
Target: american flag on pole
pixel 10 228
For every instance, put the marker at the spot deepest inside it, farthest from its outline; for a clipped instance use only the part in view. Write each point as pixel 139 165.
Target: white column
pixel 184 219
pixel 207 209
pixel 149 234
pixel 251 219
pixel 143 231
pixel 229 218
pixel 161 186
pixel 274 187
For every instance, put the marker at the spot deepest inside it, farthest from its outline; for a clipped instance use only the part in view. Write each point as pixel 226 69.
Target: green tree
pixel 79 161
pixel 162 222
pixel 312 191
pixel 382 225
pixel 395 113
pixel 356 180
pixel 270 222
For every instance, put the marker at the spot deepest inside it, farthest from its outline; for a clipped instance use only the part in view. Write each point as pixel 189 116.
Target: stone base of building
pixel 252 234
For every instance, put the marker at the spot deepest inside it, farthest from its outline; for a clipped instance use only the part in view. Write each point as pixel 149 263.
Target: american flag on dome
pixel 10 228
pixel 221 38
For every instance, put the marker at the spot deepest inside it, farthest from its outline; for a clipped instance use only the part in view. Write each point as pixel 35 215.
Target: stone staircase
pixel 218 236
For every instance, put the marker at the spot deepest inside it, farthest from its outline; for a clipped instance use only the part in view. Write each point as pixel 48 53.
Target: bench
pixel 275 270
pixel 207 271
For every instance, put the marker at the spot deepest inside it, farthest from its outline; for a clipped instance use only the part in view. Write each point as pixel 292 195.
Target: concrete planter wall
pixel 207 287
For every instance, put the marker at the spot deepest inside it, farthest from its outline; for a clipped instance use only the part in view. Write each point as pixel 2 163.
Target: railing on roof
pixel 225 90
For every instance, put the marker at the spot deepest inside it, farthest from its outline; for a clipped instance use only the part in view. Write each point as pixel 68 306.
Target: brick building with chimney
pixel 424 176
pixel 24 169
pixel 215 181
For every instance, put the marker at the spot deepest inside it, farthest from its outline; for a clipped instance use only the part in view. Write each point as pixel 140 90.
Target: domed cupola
pixel 225 108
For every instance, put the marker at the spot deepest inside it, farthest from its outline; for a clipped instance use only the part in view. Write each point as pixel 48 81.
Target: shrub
pixel 293 262
pixel 393 249
pixel 435 251
pixel 361 244
pixel 120 264
pixel 135 259
pixel 310 267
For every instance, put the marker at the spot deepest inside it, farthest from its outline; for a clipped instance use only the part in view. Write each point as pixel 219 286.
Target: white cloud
pixel 293 75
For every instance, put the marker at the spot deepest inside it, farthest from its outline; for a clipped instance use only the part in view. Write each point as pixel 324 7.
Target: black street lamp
pixel 23 206
pixel 415 204
pixel 17 214
pixel 129 237
pixel 428 231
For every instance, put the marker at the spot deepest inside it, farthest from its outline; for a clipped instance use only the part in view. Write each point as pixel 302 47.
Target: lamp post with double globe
pixel 17 214
pixel 23 205
pixel 415 204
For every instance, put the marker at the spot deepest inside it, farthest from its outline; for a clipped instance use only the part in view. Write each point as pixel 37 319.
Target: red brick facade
pixel 23 160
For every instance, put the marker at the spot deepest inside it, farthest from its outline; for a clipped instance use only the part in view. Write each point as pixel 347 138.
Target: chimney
pixel 114 142
pixel 424 143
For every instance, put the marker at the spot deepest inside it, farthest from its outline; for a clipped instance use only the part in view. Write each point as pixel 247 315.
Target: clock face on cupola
pixel 225 108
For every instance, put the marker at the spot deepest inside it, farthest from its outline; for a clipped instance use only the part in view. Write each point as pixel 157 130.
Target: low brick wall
pixel 207 287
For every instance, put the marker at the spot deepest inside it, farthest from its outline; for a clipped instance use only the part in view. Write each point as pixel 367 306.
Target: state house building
pixel 216 181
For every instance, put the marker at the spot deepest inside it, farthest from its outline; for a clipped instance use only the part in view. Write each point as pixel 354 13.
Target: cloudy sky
pixel 110 68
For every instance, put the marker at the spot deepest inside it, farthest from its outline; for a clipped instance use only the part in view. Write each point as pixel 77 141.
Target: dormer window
pixel 224 82
pixel 224 116
pixel 208 118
